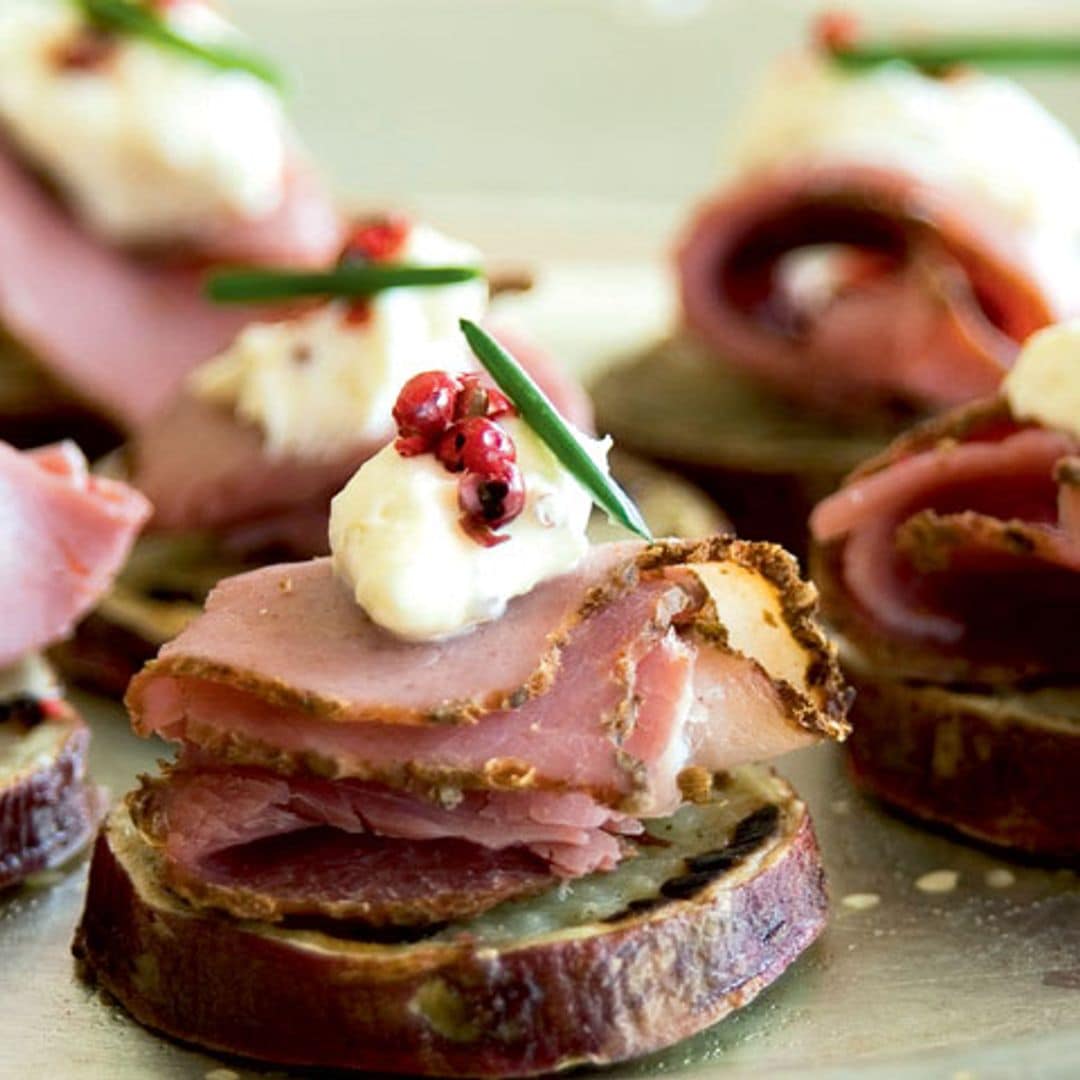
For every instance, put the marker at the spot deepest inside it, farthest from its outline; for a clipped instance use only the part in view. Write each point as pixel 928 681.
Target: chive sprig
pixel 135 20
pixel 350 280
pixel 540 414
pixel 937 54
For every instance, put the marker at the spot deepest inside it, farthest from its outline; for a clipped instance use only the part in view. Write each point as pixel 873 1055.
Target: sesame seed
pixel 938 881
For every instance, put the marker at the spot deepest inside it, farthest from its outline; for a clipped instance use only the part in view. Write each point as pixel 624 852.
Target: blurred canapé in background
pixel 524 102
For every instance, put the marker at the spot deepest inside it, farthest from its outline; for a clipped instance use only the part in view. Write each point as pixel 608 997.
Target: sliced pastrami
pixel 263 845
pixel 957 554
pixel 64 534
pixel 851 288
pixel 590 682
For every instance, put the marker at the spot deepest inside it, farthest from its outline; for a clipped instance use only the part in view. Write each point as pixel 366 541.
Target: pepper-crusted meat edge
pixel 821 707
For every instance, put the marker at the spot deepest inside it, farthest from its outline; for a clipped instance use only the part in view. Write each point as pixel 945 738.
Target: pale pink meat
pixel 918 479
pixel 954 541
pixel 64 534
pixel 284 662
pixel 206 810
pixel 121 331
pixel 930 314
pixel 734 716
pixel 203 468
pixel 296 625
pixel 563 737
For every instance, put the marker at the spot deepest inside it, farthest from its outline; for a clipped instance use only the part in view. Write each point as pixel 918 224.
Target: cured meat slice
pixel 599 690
pixel 63 534
pixel 934 554
pixel 324 873
pixel 262 845
pixel 851 287
pixel 203 468
pixel 122 330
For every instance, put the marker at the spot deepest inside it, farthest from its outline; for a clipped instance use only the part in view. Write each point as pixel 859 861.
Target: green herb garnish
pixel 942 53
pixel 352 280
pixel 136 20
pixel 539 413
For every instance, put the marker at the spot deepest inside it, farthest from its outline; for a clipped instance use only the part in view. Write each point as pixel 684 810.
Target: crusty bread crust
pixel 587 994
pixel 48 811
pixel 1002 768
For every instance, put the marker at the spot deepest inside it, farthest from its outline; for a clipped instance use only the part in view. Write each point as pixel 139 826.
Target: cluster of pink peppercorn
pixel 454 417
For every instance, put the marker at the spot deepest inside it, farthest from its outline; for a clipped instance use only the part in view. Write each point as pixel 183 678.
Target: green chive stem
pixel 351 280
pixel 938 54
pixel 125 17
pixel 540 414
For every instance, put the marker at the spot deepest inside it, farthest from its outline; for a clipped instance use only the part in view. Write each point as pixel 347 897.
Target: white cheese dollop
pixel 1044 384
pixel 320 383
pixel 397 543
pixel 983 140
pixel 149 145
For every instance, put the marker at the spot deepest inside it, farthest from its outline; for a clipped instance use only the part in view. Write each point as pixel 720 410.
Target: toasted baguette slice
pixel 1000 767
pixel 48 811
pixel 720 901
pixel 765 460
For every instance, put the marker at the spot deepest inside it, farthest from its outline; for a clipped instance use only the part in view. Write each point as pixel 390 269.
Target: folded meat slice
pixel 63 535
pixel 851 287
pixel 956 555
pixel 204 468
pixel 211 821
pixel 123 331
pixel 630 676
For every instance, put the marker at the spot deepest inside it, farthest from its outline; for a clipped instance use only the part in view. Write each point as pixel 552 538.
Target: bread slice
pixel 1001 767
pixel 717 902
pixel 48 811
